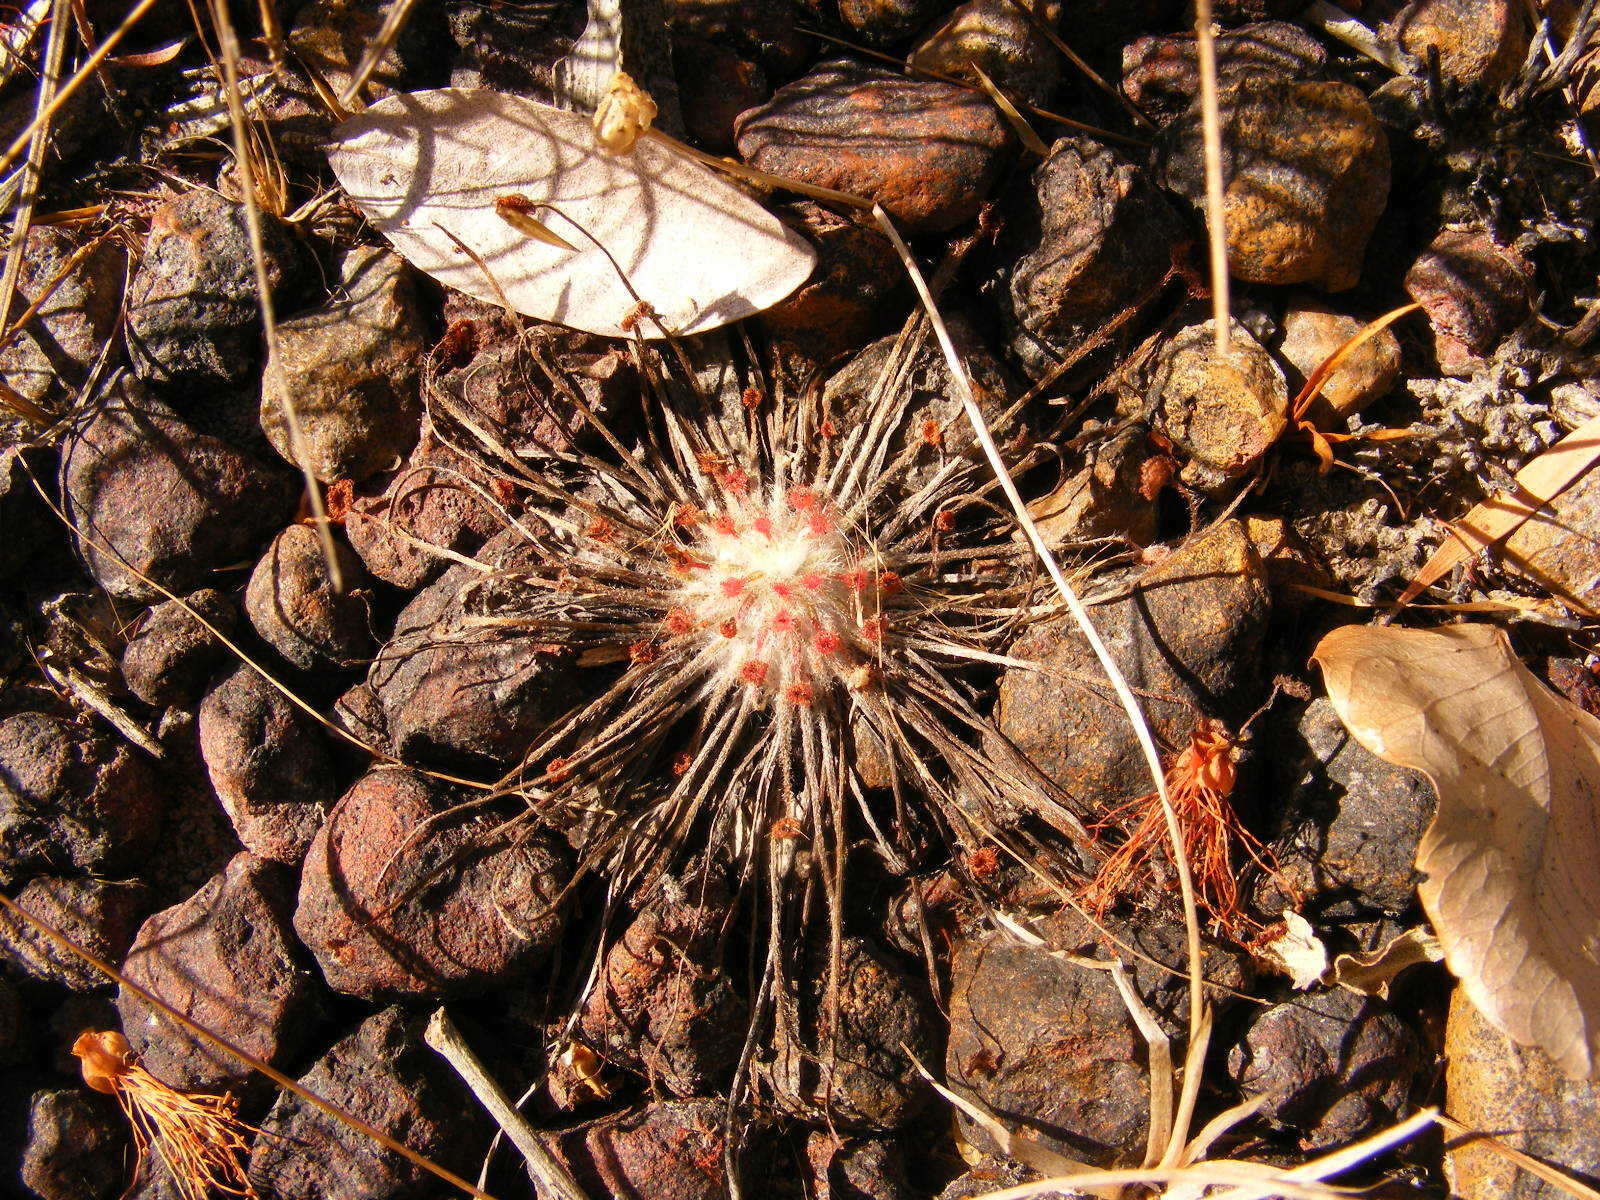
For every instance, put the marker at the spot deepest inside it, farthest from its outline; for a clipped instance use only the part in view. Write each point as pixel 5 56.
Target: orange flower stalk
pixel 198 1138
pixel 1199 781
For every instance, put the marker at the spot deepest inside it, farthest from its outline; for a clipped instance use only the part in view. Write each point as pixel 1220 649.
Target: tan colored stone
pixel 1312 333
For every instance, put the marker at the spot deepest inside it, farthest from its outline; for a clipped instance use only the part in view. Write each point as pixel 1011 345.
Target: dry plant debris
pixel 197 1138
pixel 651 226
pixel 1510 859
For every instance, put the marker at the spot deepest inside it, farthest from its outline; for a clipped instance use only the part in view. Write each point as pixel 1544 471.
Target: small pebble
pixel 52 355
pixel 1221 415
pixel 857 1169
pixel 388 914
pixel 885 22
pixel 1348 829
pixel 997 38
pixel 472 697
pixel 293 605
pixel 1307 171
pixel 352 368
pixel 671 1150
pixel 715 85
pixel 1161 72
pixel 1474 291
pixel 856 290
pixel 171 656
pixel 226 958
pixel 268 765
pixel 925 151
pixel 1312 333
pixel 1480 43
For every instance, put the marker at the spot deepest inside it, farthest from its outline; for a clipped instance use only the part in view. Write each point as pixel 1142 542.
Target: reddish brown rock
pixel 267 763
pixel 145 488
pixel 1312 333
pixel 666 1151
pixel 852 1069
pixel 854 292
pixel 1093 237
pixel 100 915
pixel 1480 43
pixel 53 353
pixel 169 658
pixel 997 38
pixel 1190 634
pixel 663 1004
pixel 1333 1065
pixel 1047 1044
pixel 390 906
pixel 291 601
pixel 71 800
pixel 1307 171
pixel 1474 292
pixel 926 151
pixel 1161 72
pixel 226 959
pixel 352 368
pixel 383 1072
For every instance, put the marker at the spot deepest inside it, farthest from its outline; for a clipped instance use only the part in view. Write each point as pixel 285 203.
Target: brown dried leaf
pixel 1497 518
pixel 428 168
pixel 1512 859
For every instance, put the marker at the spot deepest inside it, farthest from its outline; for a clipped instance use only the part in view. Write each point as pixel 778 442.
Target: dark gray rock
pixel 1090 237
pixel 1334 1066
pixel 71 800
pixel 193 314
pixel 384 1072
pixel 1347 835
pixel 853 1069
pixel 473 696
pixel 100 915
pixel 268 765
pixel 76 1146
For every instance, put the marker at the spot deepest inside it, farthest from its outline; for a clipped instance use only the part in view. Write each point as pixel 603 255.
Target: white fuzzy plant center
pixel 785 603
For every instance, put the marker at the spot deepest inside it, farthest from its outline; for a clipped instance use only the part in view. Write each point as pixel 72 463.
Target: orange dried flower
pixel 1199 782
pixel 197 1137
